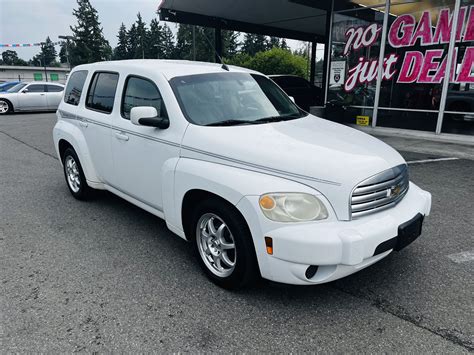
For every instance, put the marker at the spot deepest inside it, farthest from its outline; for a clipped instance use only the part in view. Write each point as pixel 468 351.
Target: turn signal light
pixel 267 203
pixel 269 245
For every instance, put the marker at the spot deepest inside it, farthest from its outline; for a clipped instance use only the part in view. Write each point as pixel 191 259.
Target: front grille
pixel 380 192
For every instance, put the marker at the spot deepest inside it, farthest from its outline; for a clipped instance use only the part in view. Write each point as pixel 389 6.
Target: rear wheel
pixel 75 179
pixel 5 107
pixel 224 245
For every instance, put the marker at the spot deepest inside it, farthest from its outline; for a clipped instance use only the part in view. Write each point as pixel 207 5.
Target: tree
pixel 141 38
pixel 89 44
pixel 155 48
pixel 168 43
pixel 273 61
pixel 230 43
pixel 47 55
pixel 254 43
pixel 121 51
pixel 132 43
pixel 63 52
pixel 274 42
pixel 10 57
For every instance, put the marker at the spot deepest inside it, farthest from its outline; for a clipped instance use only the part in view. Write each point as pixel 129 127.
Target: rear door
pixel 33 98
pixel 53 95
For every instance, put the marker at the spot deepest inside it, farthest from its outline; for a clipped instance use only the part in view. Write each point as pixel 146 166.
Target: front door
pixel 33 97
pixel 140 153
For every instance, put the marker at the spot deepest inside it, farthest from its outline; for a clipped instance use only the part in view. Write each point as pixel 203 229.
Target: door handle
pixel 121 136
pixel 42 94
pixel 83 123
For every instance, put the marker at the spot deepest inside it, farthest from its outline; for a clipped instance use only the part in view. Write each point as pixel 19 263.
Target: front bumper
pixel 338 248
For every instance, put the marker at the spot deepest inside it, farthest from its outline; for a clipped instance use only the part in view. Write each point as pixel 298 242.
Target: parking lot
pixel 105 275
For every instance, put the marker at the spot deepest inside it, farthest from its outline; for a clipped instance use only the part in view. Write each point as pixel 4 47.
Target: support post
pixel 383 40
pixel 327 51
pixel 218 44
pixel 313 63
pixel 447 74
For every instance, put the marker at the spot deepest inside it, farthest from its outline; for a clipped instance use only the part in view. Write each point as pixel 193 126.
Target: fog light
pixel 311 271
pixel 269 245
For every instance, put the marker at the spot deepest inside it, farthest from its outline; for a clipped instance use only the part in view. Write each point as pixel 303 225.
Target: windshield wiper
pixel 278 118
pixel 229 123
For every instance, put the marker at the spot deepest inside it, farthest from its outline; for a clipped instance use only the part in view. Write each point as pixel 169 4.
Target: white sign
pixel 338 72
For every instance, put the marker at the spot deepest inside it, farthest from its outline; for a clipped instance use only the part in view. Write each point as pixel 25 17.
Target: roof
pixel 22 67
pixel 169 68
pixel 297 19
pixel 42 82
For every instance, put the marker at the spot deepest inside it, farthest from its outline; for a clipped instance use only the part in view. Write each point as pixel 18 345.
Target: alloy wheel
pixel 72 173
pixel 216 245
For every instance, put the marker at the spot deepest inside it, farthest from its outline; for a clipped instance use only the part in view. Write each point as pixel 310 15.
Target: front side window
pixel 231 99
pixel 36 88
pixel 101 93
pixel 74 87
pixel 141 92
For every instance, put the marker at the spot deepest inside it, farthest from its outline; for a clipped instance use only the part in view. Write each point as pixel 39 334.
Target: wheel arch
pixel 9 102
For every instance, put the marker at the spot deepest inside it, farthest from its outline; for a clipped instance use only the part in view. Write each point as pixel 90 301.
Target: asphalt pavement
pixel 104 275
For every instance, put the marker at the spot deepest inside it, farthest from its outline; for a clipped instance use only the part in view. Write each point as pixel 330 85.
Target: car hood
pixel 330 157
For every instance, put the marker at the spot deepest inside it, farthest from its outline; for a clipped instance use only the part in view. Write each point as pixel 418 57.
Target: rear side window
pixel 74 87
pixel 101 93
pixel 36 88
pixel 54 88
pixel 141 92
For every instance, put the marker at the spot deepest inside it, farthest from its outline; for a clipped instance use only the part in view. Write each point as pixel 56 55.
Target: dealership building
pixel 397 64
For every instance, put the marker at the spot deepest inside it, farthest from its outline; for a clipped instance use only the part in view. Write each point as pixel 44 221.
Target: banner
pixel 16 45
pixel 426 67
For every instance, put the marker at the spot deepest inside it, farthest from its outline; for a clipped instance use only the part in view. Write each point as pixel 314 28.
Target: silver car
pixel 35 96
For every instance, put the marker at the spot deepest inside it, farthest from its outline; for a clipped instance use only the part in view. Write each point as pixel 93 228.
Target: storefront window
pixel 354 59
pixel 416 50
pixel 459 111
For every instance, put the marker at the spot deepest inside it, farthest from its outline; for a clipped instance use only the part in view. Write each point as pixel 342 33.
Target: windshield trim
pixel 182 107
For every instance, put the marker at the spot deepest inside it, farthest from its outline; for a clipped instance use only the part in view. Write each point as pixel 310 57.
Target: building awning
pixel 295 19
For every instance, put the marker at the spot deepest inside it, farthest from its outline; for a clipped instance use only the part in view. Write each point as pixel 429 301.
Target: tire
pixel 5 107
pixel 224 217
pixel 74 175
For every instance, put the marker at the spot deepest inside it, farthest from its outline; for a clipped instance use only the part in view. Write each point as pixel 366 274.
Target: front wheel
pixel 5 107
pixel 75 179
pixel 224 245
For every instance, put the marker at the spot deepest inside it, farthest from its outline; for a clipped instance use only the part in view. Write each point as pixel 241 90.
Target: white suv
pixel 259 186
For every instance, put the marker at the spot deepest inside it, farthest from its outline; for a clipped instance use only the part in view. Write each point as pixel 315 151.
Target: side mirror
pixel 25 91
pixel 148 116
pixel 292 98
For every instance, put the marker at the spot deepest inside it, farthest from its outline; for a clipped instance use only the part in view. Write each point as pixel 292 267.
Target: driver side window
pixel 141 92
pixel 35 88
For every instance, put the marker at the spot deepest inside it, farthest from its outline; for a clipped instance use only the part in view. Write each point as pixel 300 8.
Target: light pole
pixel 67 38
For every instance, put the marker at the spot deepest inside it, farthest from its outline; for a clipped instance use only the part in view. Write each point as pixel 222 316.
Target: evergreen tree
pixel 47 55
pixel 284 45
pixel 230 45
pixel 63 53
pixel 132 41
pixel 141 33
pixel 254 43
pixel 121 51
pixel 155 48
pixel 184 42
pixel 89 44
pixel 274 42
pixel 168 43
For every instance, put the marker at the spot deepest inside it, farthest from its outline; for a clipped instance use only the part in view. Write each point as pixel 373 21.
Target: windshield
pixel 232 99
pixel 17 87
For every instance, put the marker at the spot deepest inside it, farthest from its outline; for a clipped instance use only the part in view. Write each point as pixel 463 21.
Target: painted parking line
pixel 424 161
pixel 462 257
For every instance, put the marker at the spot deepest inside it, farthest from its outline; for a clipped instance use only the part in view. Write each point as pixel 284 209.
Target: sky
pixel 31 21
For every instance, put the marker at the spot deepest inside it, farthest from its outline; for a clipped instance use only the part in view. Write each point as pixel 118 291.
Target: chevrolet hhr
pixel 259 187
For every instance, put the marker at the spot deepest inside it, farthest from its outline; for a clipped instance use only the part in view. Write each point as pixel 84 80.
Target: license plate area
pixel 409 231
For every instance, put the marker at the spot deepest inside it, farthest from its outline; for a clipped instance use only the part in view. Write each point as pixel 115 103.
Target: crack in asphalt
pixel 452 335
pixel 29 145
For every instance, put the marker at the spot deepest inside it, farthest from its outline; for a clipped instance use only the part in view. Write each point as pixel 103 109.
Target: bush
pixel 273 61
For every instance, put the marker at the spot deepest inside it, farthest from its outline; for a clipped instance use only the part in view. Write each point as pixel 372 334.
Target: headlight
pixel 292 207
